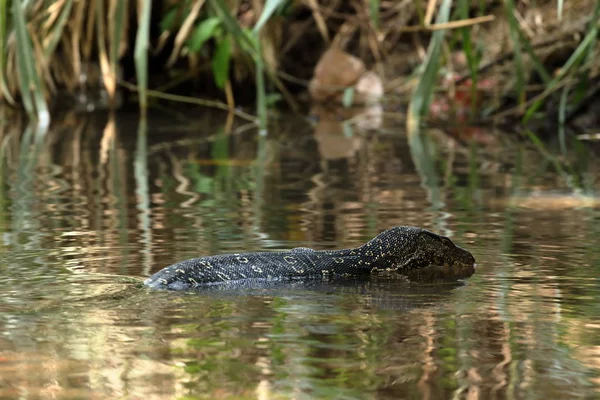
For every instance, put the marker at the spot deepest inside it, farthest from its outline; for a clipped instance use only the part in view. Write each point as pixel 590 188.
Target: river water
pixel 94 205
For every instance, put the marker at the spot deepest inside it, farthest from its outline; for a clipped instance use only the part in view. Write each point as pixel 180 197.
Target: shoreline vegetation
pixel 459 61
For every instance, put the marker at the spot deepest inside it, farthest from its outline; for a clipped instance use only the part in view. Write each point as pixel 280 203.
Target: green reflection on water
pixel 524 326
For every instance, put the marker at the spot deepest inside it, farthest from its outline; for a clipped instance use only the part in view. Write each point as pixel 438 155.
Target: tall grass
pixel 527 61
pixel 73 34
pixel 515 39
pixel 583 56
pixel 6 95
pixel 141 52
pixel 32 91
pixel 46 46
pixel 421 97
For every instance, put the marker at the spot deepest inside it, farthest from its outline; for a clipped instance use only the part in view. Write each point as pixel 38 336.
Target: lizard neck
pixel 363 256
pixel 388 248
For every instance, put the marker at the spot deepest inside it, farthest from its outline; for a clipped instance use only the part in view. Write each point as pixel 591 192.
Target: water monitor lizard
pixel 401 248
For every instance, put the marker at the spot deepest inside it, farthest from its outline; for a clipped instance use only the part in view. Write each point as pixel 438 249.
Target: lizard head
pixel 412 248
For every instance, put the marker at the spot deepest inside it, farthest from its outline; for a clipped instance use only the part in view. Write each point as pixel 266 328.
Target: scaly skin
pixel 402 248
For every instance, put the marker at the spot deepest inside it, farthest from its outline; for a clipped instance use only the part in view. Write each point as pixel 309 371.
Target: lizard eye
pixel 443 239
pixel 447 241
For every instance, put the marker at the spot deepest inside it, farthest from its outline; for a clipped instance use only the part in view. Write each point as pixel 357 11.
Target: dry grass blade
pixel 109 77
pixel 320 21
pixel 462 23
pixel 76 24
pixel 58 20
pixel 88 29
pixel 184 31
pixel 430 10
pixel 190 100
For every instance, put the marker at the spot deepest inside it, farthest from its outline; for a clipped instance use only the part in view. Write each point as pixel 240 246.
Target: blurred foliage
pixel 501 60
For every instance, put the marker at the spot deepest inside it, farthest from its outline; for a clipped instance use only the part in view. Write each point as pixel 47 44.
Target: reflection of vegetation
pixel 420 150
pixel 73 200
pixel 143 193
pixel 294 347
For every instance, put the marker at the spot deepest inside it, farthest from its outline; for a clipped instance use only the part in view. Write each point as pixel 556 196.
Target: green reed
pixel 421 98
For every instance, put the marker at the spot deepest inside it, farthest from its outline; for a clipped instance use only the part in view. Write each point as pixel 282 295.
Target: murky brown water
pixel 87 205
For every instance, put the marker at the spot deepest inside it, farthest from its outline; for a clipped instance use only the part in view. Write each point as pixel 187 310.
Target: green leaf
pixel 273 98
pixel 421 97
pixel 141 52
pixel 469 50
pixel 261 93
pixel 374 12
pixel 116 34
pixel 270 7
pixel 221 8
pixel 250 43
pixel 31 86
pixel 168 21
pixel 204 31
pixel 220 62
pixel 577 56
pixel 562 117
pixel 515 35
pixel 537 64
pixel 3 41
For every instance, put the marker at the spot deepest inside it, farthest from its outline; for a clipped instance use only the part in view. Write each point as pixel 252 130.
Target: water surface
pixel 92 206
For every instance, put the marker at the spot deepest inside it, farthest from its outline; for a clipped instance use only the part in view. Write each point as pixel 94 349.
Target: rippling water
pixel 91 207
